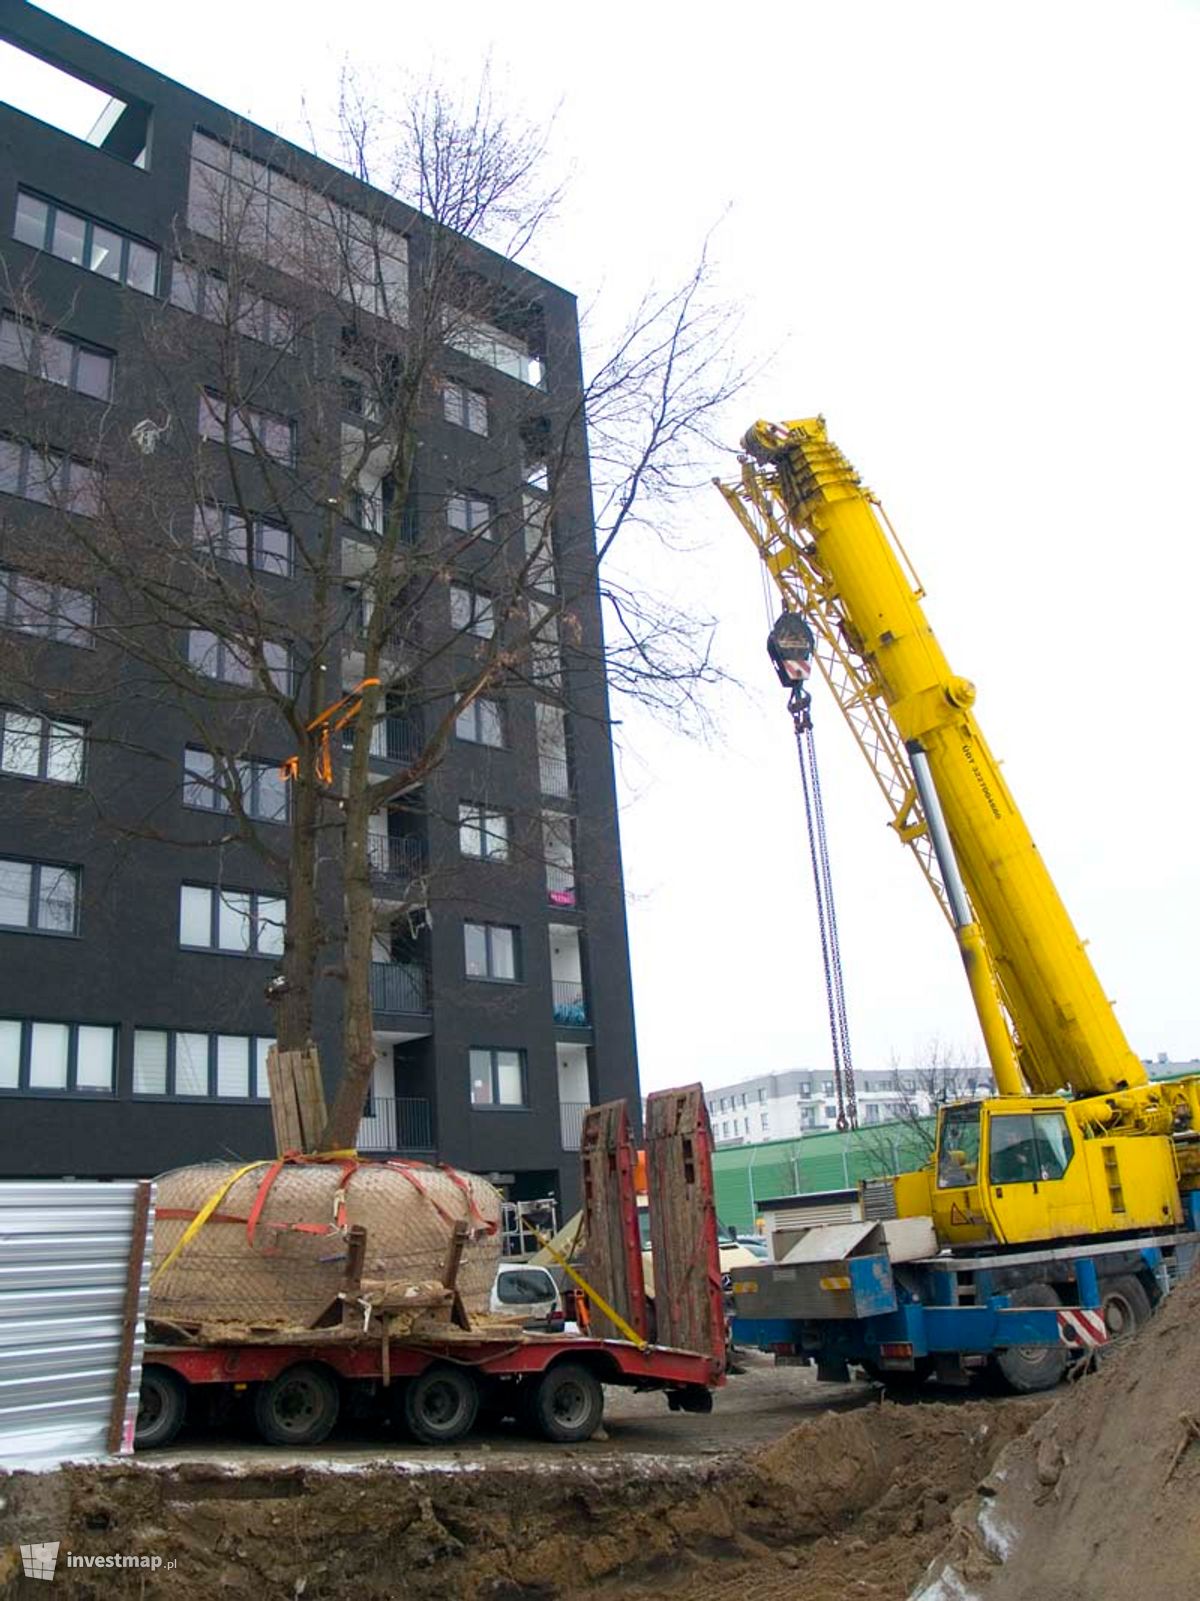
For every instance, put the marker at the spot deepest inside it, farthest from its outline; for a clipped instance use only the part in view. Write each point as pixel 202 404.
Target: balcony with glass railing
pixel 401 1124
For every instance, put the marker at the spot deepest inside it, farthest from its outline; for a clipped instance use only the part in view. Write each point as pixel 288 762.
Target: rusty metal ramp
pixel 614 1248
pixel 688 1299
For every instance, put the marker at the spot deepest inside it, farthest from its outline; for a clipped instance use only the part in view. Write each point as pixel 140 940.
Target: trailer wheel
pixel 440 1405
pixel 568 1404
pixel 297 1407
pixel 1027 1368
pixel 1126 1307
pixel 162 1407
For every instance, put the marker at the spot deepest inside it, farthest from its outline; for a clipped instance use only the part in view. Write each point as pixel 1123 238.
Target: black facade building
pixel 139 927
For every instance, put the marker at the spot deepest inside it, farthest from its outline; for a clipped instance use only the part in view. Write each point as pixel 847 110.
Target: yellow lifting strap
pixel 597 1299
pixel 213 1202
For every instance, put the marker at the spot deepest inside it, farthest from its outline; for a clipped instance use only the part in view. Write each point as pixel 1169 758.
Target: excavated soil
pixel 1101 1499
pixel 848 1505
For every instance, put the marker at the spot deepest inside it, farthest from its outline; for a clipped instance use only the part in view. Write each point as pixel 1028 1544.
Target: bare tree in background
pixel 938 1072
pixel 265 541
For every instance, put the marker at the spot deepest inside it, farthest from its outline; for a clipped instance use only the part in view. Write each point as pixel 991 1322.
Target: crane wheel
pixel 1028 1368
pixel 1126 1306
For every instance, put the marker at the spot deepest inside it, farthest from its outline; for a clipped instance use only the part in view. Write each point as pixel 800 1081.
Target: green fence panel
pixel 745 1175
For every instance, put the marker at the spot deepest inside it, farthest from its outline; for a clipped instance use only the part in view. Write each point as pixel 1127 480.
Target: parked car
pixel 756 1244
pixel 521 1288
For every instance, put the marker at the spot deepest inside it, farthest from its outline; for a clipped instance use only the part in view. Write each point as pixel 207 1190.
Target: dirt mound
pixel 849 1505
pixel 1101 1499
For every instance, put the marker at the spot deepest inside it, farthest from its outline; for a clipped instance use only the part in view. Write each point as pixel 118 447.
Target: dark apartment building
pixel 204 333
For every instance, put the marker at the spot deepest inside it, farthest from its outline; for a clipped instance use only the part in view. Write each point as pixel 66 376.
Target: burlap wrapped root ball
pixel 288 1276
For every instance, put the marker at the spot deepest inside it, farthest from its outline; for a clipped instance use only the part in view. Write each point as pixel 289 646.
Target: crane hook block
pixel 790 646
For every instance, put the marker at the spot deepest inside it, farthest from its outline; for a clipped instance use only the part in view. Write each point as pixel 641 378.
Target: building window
pixel 762 1095
pixel 42 897
pixel 481 723
pixel 764 1121
pixel 246 428
pixel 32 746
pixel 465 408
pixel 50 477
pixel 260 211
pixel 55 358
pixel 240 922
pixel 482 832
pixel 471 514
pixel 217 784
pixel 78 1057
pixel 831 1113
pixel 86 243
pixel 46 610
pixel 178 1063
pixel 232 661
pixel 498 1078
pixel 490 950
pixel 471 612
pixel 206 294
pixel 228 535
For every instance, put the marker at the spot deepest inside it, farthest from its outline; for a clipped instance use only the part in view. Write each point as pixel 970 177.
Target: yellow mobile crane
pixel 1079 1145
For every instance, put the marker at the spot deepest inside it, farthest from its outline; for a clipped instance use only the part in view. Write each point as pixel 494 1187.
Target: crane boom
pixel 821 534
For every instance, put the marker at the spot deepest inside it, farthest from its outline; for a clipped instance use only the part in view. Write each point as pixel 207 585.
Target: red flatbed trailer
pixel 552 1381
pixel 435 1383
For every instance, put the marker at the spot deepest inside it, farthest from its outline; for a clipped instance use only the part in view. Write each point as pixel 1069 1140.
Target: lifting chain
pixel 799 705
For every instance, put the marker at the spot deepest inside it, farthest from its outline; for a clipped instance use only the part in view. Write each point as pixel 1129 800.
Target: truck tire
pixel 1126 1306
pixel 440 1404
pixel 567 1405
pixel 162 1407
pixel 1028 1368
pixel 298 1407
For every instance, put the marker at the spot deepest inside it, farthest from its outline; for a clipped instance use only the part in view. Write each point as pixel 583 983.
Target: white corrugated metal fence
pixel 65 1252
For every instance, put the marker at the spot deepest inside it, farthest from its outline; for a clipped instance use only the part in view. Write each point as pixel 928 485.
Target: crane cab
pixel 1018 1169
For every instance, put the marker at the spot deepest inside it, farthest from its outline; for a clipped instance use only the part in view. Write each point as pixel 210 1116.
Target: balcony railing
pixel 399 856
pixel 570 1004
pixel 399 987
pixel 554 775
pixel 570 1122
pixel 391 1124
pixel 393 739
pixel 560 885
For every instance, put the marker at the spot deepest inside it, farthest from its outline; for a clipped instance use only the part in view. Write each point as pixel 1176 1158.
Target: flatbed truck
pixel 435 1380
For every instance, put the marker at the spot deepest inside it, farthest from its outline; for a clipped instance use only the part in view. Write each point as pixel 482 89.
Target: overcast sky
pixel 967 234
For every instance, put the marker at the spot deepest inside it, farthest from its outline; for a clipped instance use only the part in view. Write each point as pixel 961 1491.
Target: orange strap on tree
pixel 349 1162
pixel 329 720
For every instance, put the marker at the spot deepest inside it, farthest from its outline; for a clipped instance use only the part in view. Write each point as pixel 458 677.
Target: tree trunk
pixel 358 1040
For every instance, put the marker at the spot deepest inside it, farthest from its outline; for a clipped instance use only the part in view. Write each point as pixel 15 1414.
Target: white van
pixel 520 1289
